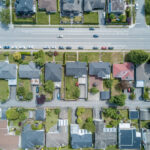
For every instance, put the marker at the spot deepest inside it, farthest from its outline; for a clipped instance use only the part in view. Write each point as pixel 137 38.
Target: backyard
pixel 4 90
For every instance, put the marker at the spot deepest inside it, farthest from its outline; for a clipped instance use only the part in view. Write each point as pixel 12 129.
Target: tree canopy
pixel 49 86
pixel 40 58
pixel 12 114
pixel 147 7
pixel 5 16
pixel 17 56
pixel 118 100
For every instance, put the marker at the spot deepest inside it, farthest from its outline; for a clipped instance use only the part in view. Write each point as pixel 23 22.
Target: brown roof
pixel 7 142
pixel 48 5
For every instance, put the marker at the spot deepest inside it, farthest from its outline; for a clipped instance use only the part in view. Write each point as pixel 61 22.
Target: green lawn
pixel 91 18
pixel 55 19
pixel 51 119
pixel 71 56
pixel 89 57
pixel 70 87
pixel 135 124
pixel 2 57
pixel 148 19
pixel 42 18
pixel 59 57
pixel 27 59
pixel 4 90
pixel 48 58
pixel 111 147
pixel 115 90
pixel 144 124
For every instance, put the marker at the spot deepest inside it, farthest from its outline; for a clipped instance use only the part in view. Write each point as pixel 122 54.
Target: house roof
pixel 99 69
pixel 53 72
pixel 76 69
pixel 48 5
pixel 105 95
pixel 29 71
pixel 31 138
pixel 40 114
pixel 8 71
pixel 133 114
pixel 144 114
pixel 123 71
pixel 90 5
pixel 104 136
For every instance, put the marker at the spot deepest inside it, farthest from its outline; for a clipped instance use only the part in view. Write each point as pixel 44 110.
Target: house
pixel 29 71
pixel 31 138
pixel 143 75
pixel 133 114
pixel 104 136
pixel 100 69
pixel 8 72
pixel 116 6
pixel 7 141
pixel 58 134
pixel 53 72
pixel 71 7
pixel 128 137
pixel 25 7
pixel 146 138
pixel 49 5
pixel 90 5
pixel 144 114
pixel 105 95
pixel 40 114
pixel 80 138
pixel 123 71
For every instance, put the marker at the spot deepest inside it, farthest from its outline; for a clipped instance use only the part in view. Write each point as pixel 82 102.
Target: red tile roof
pixel 124 71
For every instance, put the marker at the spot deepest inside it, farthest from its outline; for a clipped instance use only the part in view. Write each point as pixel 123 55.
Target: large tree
pixel 12 114
pixel 118 100
pixel 5 16
pixel 49 86
pixel 147 6
pixel 124 84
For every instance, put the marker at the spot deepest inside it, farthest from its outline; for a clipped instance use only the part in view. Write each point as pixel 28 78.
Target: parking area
pixel 56 94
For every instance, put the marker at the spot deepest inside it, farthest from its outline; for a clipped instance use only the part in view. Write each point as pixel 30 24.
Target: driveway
pixel 139 93
pixel 55 94
pixel 101 17
pixel 12 93
pixel 82 91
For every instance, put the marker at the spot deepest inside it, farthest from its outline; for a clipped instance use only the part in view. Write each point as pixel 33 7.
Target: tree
pixel 56 53
pixel 12 114
pixel 108 83
pixel 76 92
pixel 146 95
pixel 49 86
pixel 132 96
pixel 40 58
pixel 80 110
pixel 118 100
pixel 17 56
pixel 137 56
pixel 57 111
pixel 90 119
pixel 147 7
pixel 122 18
pixel 21 91
pixel 124 84
pixel 112 16
pixel 89 126
pixel 7 3
pixel 5 16
pixel 29 96
pixel 94 90
pixel 79 120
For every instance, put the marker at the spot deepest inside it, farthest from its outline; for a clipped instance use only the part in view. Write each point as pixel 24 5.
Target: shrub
pixel 29 96
pixel 146 95
pixel 57 111
pixel 89 126
pixel 80 111
pixel 26 53
pixel 37 125
pixel 132 96
pixel 108 83
pixel 17 56
pixel 40 58
pixel 49 86
pixel 12 114
pixel 79 120
pixel 76 92
pixel 118 100
pixel 21 91
pixel 90 119
pixel 94 90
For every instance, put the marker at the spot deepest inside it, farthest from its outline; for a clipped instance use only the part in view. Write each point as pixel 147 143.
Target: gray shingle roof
pixel 133 114
pixel 53 72
pixel 76 69
pixel 31 138
pixel 8 71
pixel 29 71
pixel 144 114
pixel 105 95
pixel 40 114
pixel 99 69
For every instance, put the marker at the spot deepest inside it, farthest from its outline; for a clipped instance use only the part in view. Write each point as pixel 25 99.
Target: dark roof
pixel 31 138
pixel 128 139
pixel 76 69
pixel 40 114
pixel 8 71
pixel 99 69
pixel 133 114
pixel 144 114
pixel 48 5
pixel 24 7
pixel 90 5
pixel 29 71
pixel 105 95
pixel 53 72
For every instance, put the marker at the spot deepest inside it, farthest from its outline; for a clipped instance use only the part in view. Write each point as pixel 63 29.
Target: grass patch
pixel 55 19
pixel 112 57
pixel 91 18
pixel 135 124
pixel 48 58
pixel 59 57
pixel 2 57
pixel 4 90
pixel 27 59
pixel 62 91
pixel 147 19
pixel 112 147
pixel 89 57
pixel 115 90
pixel 42 18
pixel 51 119
pixel 71 56
pixel 144 124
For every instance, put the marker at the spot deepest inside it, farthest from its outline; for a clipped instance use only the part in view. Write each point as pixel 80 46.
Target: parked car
pixel 95 36
pixel 46 47
pixel 30 47
pixel 61 47
pixel 80 47
pixel 22 47
pixel 136 6
pixel 68 47
pixel 53 47
pixel 6 47
pixel 60 36
pixel 110 47
pixel 103 47
pixel 37 89
pixel 95 47
pixel 60 28
pixel 58 96
pixel 13 47
pixel 91 28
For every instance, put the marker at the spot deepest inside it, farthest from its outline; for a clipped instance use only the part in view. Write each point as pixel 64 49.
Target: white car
pixel 136 6
pixel 30 47
pixel 46 47
pixel 53 47
pixel 60 36
pixel 0 47
pixel 13 47
pixel 22 47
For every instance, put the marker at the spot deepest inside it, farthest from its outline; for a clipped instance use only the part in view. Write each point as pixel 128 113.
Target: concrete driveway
pixel 12 93
pixel 139 93
pixel 82 91
pixel 101 17
pixel 55 94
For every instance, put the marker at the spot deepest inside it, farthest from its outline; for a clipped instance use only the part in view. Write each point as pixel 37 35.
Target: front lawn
pixel 115 90
pixel 59 57
pixel 42 18
pixel 71 56
pixel 55 19
pixel 71 90
pixel 4 90
pixel 91 18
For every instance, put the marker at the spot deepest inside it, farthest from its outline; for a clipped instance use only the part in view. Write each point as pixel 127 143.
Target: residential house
pixel 8 72
pixel 146 138
pixel 53 72
pixel 133 114
pixel 128 137
pixel 90 5
pixel 100 70
pixel 31 138
pixel 116 6
pixel 71 7
pixel 40 114
pixel 143 75
pixel 25 7
pixel 123 71
pixel 49 5
pixel 7 141
pixel 104 136
pixel 80 138
pixel 105 95
pixel 144 114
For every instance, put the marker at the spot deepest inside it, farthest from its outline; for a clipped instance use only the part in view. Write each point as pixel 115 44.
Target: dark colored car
pixel 80 47
pixel 110 48
pixel 37 89
pixel 103 47
pixel 68 47
pixel 91 28
pixel 6 47
pixel 95 36
pixel 95 48
pixel 61 47
pixel 60 28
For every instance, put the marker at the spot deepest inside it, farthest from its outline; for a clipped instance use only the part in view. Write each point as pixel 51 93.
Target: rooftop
pixel 105 95
pixel 133 114
pixel 144 114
